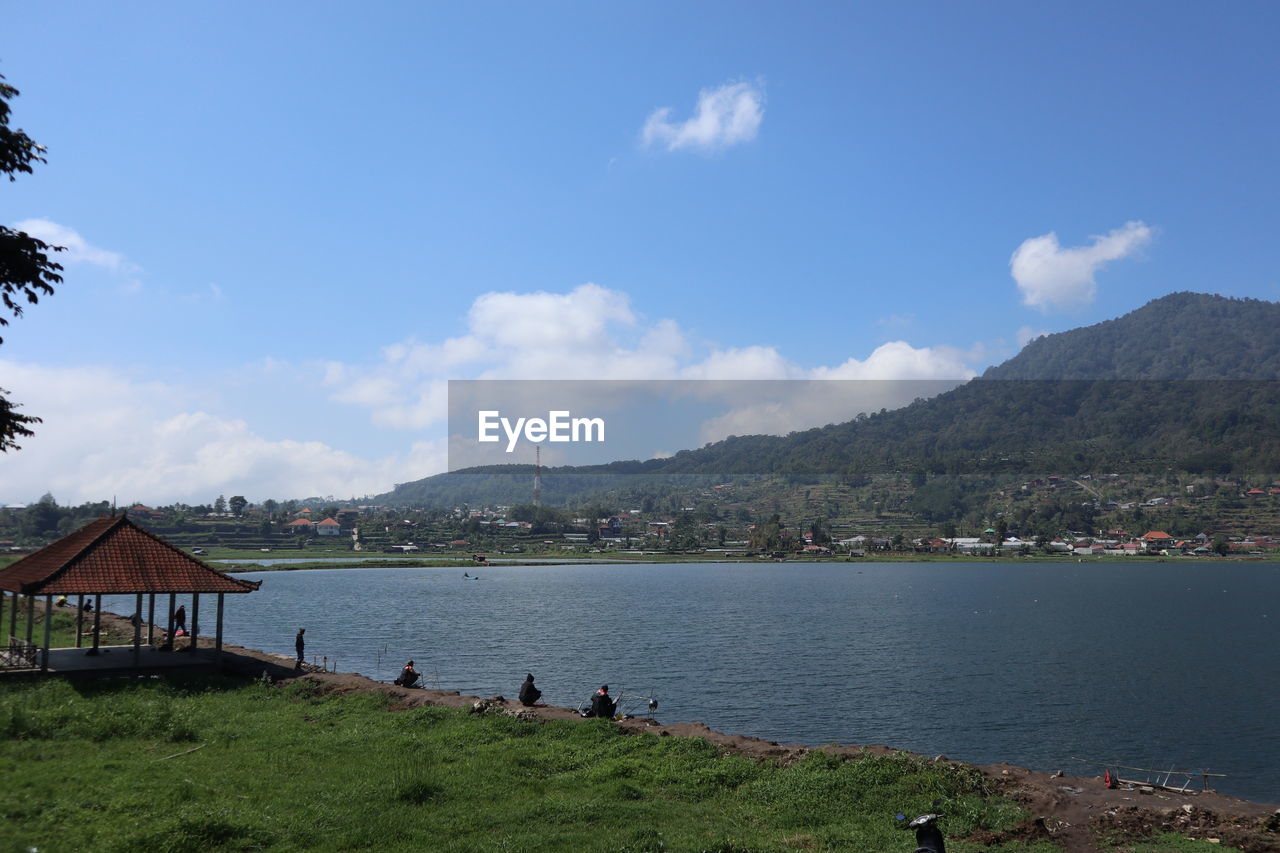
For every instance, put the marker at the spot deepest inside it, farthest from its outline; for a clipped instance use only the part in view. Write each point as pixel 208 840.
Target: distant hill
pixel 1187 382
pixel 1180 336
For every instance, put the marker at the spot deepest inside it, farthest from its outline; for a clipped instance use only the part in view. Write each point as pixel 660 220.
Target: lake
pixel 1150 664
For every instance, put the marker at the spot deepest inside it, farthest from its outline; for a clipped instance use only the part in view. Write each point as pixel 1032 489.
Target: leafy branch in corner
pixel 26 272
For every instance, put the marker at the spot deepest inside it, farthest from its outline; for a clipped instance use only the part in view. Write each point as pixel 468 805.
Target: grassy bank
pixel 216 764
pixel 62 632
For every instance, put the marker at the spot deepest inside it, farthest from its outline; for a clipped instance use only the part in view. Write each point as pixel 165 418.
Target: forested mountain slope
pixel 1187 382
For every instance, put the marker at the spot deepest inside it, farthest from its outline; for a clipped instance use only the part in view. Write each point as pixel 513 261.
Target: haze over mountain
pixel 1187 382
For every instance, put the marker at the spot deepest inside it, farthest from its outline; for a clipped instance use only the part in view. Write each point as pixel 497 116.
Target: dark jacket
pixel 602 705
pixel 408 677
pixel 528 693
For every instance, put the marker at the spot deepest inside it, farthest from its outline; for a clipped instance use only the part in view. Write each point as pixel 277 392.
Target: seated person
pixel 529 694
pixel 601 704
pixel 408 676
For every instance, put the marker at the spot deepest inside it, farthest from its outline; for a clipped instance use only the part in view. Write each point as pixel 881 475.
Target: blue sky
pixel 292 223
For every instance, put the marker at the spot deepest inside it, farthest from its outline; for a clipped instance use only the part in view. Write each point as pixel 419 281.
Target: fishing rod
pixel 635 703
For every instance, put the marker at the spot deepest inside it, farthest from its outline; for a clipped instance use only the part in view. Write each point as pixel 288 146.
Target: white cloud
pixel 107 436
pixel 1026 335
pixel 592 332
pixel 1050 276
pixel 725 116
pixel 78 250
pixel 900 360
pixel 754 362
pixel 589 332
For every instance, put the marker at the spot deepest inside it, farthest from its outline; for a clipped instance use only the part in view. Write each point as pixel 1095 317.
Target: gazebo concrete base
pixel 120 659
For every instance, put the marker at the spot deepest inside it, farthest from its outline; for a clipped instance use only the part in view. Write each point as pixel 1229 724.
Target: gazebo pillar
pixel 168 633
pixel 79 619
pixel 13 618
pixel 151 618
pixel 48 629
pixel 31 616
pixel 195 622
pixel 217 641
pixel 137 624
pixel 97 623
pixel 3 598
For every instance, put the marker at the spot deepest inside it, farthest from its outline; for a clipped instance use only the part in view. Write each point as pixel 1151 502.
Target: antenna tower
pixel 537 475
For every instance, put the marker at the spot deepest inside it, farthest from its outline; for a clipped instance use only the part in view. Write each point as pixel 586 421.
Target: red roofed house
pixel 1157 539
pixel 300 525
pixel 109 556
pixel 328 527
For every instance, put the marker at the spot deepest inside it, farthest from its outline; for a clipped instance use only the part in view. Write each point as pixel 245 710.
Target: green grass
pixel 105 766
pixel 62 634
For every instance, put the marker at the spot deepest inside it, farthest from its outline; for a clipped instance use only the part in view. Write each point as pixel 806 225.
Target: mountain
pixel 1183 336
pixel 1185 383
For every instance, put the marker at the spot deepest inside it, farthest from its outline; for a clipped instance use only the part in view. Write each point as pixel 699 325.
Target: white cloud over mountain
pixel 1049 276
pixel 590 332
pixel 728 115
pixel 107 434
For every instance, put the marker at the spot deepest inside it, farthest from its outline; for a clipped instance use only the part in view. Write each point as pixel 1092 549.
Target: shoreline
pixel 234 566
pixel 1066 803
pixel 1063 807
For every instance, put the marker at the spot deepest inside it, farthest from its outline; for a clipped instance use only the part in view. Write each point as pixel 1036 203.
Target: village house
pixel 1156 540
pixel 328 527
pixel 299 525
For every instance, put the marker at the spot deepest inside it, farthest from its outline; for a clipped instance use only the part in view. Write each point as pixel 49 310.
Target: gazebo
pixel 109 556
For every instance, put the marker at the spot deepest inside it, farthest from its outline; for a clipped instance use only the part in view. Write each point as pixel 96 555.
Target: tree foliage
pixel 26 272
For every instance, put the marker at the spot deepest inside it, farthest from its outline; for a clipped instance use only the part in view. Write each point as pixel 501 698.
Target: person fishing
pixel 408 676
pixel 529 695
pixel 601 704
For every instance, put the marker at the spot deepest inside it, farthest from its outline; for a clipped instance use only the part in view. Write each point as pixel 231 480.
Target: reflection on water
pixel 1146 664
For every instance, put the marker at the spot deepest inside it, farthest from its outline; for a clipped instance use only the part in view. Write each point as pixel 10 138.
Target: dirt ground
pixel 1078 813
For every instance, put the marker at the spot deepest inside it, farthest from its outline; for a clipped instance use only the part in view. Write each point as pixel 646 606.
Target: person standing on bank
pixel 300 644
pixel 180 619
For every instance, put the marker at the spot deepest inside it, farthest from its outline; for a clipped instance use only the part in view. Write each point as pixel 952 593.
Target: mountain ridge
pixel 1186 382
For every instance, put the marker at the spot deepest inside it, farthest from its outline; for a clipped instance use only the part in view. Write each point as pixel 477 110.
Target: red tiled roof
pixel 1155 534
pixel 328 522
pixel 113 556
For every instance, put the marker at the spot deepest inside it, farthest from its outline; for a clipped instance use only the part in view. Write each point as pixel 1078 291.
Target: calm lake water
pixel 1160 664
